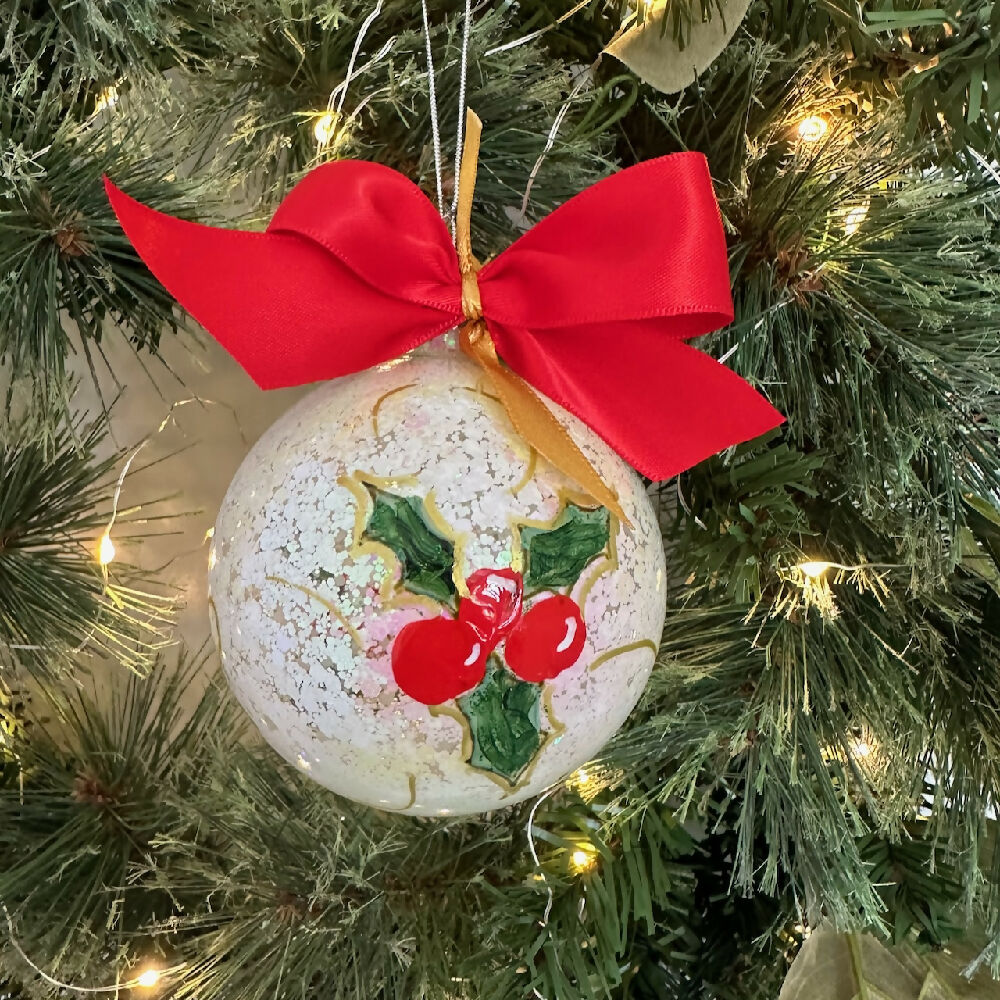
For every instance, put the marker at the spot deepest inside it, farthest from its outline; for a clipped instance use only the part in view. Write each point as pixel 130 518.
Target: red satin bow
pixel 591 306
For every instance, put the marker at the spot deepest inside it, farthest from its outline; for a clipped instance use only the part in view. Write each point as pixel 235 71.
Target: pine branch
pixel 98 776
pixel 65 264
pixel 55 600
pixel 934 62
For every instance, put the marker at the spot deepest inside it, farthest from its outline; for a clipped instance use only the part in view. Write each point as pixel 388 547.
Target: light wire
pixel 117 988
pixel 342 87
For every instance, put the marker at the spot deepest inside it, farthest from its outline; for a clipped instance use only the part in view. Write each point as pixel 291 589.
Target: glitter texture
pixel 307 610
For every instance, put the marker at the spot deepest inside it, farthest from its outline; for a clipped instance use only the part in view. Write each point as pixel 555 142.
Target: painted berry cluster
pixel 494 646
pixel 439 659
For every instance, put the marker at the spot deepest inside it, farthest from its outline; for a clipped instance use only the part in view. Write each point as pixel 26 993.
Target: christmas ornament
pixel 435 591
pixel 418 609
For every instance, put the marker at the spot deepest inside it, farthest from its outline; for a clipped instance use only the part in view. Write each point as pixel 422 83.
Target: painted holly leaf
pixel 504 719
pixel 425 557
pixel 555 557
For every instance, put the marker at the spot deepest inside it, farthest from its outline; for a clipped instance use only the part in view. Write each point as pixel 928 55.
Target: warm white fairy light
pixel 813 128
pixel 583 859
pixel 862 748
pixel 814 568
pixel 854 218
pixel 106 99
pixel 105 549
pixel 148 978
pixel 324 127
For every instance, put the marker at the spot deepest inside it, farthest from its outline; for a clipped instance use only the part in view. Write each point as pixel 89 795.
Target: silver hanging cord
pixel 434 114
pixel 462 76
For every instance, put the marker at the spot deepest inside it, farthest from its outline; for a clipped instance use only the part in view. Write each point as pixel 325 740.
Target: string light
pixel 854 218
pixel 325 127
pixel 212 558
pixel 582 860
pixel 814 568
pixel 147 978
pixel 813 128
pixel 106 99
pixel 105 549
pixel 862 747
pixel 811 584
pixel 581 780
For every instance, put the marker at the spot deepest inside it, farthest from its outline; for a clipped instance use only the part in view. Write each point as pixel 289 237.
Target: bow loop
pixel 380 225
pixel 645 242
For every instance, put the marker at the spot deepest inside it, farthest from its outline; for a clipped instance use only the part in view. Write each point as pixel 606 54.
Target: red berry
pixel 547 640
pixel 437 659
pixel 493 604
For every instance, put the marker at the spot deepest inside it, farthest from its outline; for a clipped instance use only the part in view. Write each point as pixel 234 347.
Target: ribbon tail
pixel 661 404
pixel 533 420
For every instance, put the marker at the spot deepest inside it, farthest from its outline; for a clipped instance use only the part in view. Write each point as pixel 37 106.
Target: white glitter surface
pixel 428 425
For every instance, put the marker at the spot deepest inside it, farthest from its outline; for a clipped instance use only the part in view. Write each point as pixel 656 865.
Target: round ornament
pixel 418 609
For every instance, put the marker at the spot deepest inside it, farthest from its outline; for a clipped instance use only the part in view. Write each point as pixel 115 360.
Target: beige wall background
pixel 199 414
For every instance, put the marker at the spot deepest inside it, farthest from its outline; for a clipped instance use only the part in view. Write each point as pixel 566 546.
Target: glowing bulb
pixel 854 218
pixel 106 99
pixel 148 978
pixel 862 749
pixel 814 568
pixel 105 550
pixel 325 127
pixel 580 780
pixel 583 860
pixel 813 128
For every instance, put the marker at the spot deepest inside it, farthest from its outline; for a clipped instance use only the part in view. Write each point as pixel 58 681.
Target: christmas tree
pixel 804 800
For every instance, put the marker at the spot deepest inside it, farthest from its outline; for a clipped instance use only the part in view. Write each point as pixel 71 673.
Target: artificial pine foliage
pixel 58 606
pixel 820 740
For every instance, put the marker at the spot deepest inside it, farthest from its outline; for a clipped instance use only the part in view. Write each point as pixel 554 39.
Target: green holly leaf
pixel 426 558
pixel 555 557
pixel 503 714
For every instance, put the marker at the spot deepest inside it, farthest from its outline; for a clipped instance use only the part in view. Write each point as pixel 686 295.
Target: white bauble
pixel 307 603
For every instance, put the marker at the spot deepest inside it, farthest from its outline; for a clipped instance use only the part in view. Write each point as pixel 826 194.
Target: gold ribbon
pixel 531 418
